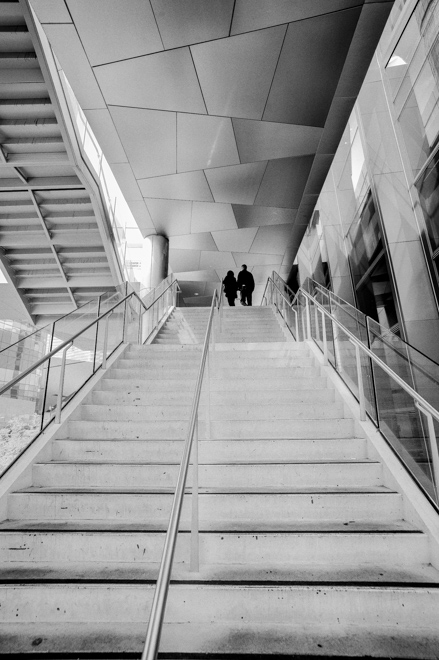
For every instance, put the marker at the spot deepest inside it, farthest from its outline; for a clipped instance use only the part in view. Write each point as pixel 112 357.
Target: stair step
pixel 214 451
pixel 240 507
pixel 173 430
pixel 185 397
pixel 123 382
pixel 233 411
pixel 135 476
pixel 224 619
pixel 376 552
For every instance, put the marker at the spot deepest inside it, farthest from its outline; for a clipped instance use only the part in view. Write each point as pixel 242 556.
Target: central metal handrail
pixel 162 586
pixel 77 334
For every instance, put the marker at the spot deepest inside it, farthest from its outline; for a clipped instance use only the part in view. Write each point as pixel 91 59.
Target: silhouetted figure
pixel 230 287
pixel 246 285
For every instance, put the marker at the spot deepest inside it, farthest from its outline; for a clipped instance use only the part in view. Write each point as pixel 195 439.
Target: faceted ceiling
pixel 219 118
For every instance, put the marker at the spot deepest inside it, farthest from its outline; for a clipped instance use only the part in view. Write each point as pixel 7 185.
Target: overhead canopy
pixel 219 118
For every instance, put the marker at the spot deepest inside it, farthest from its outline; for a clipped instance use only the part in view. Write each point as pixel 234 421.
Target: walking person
pixel 246 285
pixel 230 287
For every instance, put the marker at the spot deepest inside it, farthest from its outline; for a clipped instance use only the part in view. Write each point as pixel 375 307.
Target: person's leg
pixel 231 300
pixel 249 299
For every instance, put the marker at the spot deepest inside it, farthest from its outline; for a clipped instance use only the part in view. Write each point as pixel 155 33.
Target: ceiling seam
pixel 202 114
pixel 275 70
pixel 208 185
pixel 156 22
pixel 260 184
pixel 236 141
pixel 231 18
pixel 198 79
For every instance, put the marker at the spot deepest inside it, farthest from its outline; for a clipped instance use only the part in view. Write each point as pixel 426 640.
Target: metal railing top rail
pixel 71 339
pixel 382 332
pixel 425 405
pixel 48 325
pixel 162 586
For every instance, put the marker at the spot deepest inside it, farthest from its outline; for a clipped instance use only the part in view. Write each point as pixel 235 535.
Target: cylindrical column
pixel 156 267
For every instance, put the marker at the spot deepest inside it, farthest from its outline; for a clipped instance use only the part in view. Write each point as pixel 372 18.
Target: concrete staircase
pixel 305 549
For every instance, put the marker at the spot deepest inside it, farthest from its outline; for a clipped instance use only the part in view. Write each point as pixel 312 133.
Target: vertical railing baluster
pixel 61 385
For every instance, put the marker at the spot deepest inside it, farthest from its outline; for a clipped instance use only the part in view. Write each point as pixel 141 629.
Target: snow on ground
pixel 15 436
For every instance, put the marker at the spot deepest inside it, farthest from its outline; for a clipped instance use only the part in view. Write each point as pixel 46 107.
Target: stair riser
pixel 151 398
pixel 210 476
pixel 225 549
pixel 219 451
pixel 178 384
pixel 233 411
pixel 218 359
pixel 217 508
pixel 259 429
pixel 330 606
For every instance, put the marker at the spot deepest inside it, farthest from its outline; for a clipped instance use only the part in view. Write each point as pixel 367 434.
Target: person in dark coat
pixel 230 287
pixel 246 285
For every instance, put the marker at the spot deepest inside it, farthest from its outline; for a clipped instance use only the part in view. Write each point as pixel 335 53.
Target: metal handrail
pixel 417 397
pixel 162 586
pixel 48 325
pixel 71 339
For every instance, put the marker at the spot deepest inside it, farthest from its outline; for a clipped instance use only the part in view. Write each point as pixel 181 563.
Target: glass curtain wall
pixel 378 210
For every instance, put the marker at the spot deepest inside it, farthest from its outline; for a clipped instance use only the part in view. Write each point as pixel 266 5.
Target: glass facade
pixel 378 224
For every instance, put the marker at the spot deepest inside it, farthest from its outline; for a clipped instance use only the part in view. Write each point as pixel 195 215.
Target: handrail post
pixel 61 385
pixel 296 323
pixel 316 320
pixel 361 398
pixel 325 340
pixel 308 319
pixel 195 548
pixel 98 311
pixel 433 444
pixel 139 329
pixel 104 356
pixel 207 381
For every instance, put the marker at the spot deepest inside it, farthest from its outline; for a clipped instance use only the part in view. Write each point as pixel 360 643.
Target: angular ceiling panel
pixel 217 260
pixel 192 21
pixel 306 78
pixel 251 259
pixel 210 217
pixel 189 186
pixel 204 142
pixel 318 174
pixel 198 276
pixel 271 240
pixel 165 81
pixel 143 217
pixel 275 192
pixel 105 132
pixel 259 216
pixel 257 14
pixel 170 217
pixel 111 30
pixel 263 140
pixel 238 239
pixel 127 181
pixel 184 260
pixel 237 184
pixel 193 242
pixel 149 139
pixel 235 74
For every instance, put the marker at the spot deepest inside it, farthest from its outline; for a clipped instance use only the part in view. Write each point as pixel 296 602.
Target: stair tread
pixel 257 639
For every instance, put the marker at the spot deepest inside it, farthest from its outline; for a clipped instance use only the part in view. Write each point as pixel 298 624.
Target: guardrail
pixel 86 351
pixel 407 420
